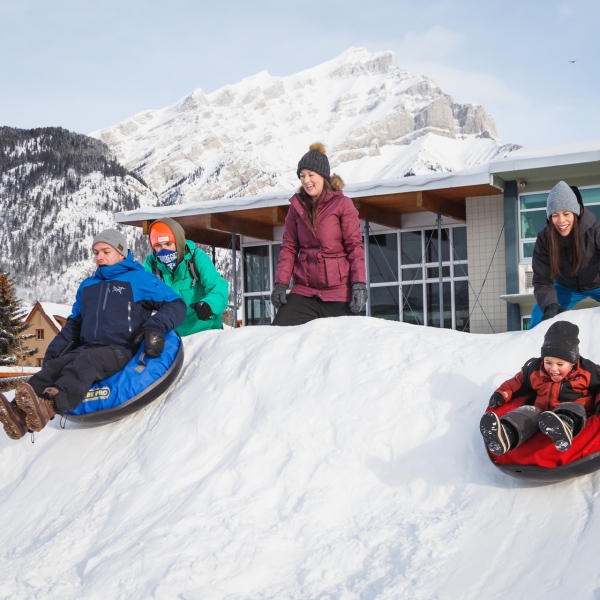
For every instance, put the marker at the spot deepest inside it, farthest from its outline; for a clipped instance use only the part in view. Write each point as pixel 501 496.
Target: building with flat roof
pixel 481 223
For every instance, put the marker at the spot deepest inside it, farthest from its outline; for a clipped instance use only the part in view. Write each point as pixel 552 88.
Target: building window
pixel 257 284
pixel 532 216
pixel 404 274
pixel 40 334
pixel 414 297
pixel 38 362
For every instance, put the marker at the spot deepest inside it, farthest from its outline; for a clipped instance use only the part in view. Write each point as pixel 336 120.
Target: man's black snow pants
pixel 73 373
pixel 302 309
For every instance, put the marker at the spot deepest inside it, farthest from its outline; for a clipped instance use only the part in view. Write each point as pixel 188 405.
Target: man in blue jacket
pixel 112 314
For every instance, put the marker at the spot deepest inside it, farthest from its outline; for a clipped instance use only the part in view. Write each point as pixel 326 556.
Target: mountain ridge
pixel 247 137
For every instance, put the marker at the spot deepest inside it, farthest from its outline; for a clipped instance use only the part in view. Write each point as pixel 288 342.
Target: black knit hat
pixel 561 341
pixel 315 160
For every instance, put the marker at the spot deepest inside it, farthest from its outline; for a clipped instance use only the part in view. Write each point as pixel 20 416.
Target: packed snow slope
pixel 377 120
pixel 338 460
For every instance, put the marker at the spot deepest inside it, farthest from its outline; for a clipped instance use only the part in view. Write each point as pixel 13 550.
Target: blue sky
pixel 85 65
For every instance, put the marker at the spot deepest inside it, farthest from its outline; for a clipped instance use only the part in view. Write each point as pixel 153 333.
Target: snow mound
pixel 341 459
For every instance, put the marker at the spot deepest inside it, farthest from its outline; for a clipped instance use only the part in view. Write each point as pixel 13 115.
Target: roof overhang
pixel 384 202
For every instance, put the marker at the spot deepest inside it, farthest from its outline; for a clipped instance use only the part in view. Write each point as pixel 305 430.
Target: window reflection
pixel 385 302
pixel 256 269
pixel 383 258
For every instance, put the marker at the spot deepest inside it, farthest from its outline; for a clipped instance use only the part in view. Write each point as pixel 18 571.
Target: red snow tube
pixel 539 460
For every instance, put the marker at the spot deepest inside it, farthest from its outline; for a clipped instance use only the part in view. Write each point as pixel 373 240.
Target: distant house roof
pixel 56 314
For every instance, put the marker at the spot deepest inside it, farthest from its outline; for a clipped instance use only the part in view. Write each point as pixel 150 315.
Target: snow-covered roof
pixel 435 181
pixel 52 310
pixel 20 370
pixel 492 173
pixel 55 309
pixel 540 157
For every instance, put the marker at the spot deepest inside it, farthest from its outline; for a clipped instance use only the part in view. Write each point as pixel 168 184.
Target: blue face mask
pixel 168 257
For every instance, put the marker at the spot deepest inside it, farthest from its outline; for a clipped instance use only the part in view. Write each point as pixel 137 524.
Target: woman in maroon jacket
pixel 322 248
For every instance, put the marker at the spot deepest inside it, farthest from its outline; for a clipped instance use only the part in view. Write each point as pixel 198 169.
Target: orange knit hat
pixel 161 232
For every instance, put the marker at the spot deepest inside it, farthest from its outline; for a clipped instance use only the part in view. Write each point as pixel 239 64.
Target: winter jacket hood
pixel 115 305
pixel 327 259
pixel 178 232
pixel 587 277
pixel 210 287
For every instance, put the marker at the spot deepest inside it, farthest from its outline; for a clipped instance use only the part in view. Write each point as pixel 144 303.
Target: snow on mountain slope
pixel 376 119
pixel 338 460
pixel 58 189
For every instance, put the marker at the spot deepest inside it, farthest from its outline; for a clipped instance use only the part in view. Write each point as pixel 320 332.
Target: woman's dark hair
pixel 554 247
pixel 310 204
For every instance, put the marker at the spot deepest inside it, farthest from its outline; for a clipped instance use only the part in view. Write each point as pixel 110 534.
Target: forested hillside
pixel 57 189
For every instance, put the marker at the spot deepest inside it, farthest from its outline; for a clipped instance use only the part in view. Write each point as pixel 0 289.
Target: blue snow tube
pixel 142 381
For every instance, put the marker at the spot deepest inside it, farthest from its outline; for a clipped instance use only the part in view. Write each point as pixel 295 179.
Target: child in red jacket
pixel 560 390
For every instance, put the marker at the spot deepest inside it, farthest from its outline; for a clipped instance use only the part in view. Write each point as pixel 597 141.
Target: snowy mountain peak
pixel 376 119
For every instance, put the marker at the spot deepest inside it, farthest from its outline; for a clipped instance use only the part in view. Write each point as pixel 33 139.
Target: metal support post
pixel 441 292
pixel 234 272
pixel 367 265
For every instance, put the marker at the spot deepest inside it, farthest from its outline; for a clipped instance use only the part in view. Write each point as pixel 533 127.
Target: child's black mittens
pixel 496 400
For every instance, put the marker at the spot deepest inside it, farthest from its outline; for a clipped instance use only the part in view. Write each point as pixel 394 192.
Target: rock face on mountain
pixel 57 190
pixel 376 119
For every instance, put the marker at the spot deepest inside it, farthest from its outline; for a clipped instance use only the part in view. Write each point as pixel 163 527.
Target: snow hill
pixel 377 121
pixel 337 460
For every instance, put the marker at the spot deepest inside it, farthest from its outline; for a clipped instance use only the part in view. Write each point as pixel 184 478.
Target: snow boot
pixel 38 411
pixel 497 435
pixel 559 428
pixel 12 419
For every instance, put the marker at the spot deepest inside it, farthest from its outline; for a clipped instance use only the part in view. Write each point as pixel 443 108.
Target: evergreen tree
pixel 12 326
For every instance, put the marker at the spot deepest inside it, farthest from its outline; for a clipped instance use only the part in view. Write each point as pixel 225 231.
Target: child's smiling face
pixel 557 368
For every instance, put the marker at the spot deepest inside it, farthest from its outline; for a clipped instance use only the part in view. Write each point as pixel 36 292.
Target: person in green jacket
pixel 189 272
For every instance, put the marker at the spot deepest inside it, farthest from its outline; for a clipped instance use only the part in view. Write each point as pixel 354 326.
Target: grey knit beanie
pixel 562 341
pixel 562 197
pixel 315 160
pixel 113 238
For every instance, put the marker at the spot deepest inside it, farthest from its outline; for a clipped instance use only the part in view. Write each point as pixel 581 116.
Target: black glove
pixel 496 400
pixel 203 310
pixel 279 295
pixel 155 342
pixel 47 359
pixel 359 297
pixel 552 311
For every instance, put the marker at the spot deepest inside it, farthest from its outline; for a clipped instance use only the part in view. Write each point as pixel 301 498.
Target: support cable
pixel 483 283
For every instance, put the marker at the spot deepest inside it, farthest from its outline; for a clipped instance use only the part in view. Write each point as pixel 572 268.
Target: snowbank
pixel 341 459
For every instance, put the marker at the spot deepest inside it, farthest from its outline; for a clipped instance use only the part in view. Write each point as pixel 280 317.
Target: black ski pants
pixel 302 309
pixel 525 419
pixel 73 373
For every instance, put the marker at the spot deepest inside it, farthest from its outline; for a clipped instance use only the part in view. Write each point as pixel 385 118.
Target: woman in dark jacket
pixel 322 248
pixel 566 256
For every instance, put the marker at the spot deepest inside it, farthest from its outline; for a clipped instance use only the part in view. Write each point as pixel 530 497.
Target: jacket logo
pixel 117 289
